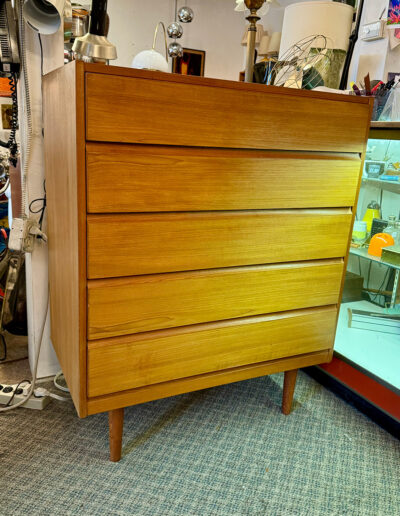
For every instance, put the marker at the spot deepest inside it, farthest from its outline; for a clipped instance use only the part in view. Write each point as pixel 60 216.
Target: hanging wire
pixel 35 210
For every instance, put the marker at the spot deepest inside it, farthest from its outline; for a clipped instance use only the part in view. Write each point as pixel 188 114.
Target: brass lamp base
pixel 254 6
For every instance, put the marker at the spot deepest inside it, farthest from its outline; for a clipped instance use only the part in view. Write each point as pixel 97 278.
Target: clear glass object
pixel 391 227
pixel 396 234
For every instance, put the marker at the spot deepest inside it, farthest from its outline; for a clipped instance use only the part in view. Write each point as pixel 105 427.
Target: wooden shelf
pixel 385 125
pixel 389 186
pixel 385 131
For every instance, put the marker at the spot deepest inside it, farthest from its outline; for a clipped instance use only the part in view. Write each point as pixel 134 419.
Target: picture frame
pixel 192 62
pixel 6 116
pixel 393 19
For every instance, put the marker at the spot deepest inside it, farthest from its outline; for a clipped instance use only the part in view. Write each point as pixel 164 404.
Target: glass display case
pixel 367 346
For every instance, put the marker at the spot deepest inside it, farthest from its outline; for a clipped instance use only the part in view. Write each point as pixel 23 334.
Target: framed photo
pixel 6 115
pixel 191 63
pixel 393 19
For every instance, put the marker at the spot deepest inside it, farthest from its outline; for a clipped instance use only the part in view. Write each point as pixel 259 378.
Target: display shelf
pixel 363 253
pixel 369 349
pixel 389 186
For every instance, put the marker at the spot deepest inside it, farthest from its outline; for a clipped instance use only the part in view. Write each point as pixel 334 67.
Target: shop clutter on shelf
pixel 378 240
pixel 386 95
pixel 375 245
pixel 374 233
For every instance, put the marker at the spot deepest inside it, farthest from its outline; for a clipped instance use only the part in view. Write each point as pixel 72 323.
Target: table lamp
pixel 274 45
pixel 259 35
pixel 330 19
pixel 264 45
pixel 94 46
pixel 331 23
pixel 151 59
pixel 269 50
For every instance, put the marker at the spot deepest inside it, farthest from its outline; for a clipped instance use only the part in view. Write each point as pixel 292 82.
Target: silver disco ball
pixel 185 14
pixel 175 50
pixel 175 30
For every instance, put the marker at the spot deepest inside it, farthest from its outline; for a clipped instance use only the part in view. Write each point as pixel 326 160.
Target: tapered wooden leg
pixel 116 426
pixel 288 390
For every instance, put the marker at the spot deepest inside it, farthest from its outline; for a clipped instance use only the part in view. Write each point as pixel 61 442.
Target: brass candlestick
pixel 254 6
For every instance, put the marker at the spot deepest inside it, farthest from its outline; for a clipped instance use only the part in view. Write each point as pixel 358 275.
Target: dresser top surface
pixel 217 83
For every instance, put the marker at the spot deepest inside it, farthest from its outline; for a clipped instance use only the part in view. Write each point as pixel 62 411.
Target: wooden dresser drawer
pixel 144 303
pixel 149 358
pixel 146 178
pixel 214 114
pixel 126 245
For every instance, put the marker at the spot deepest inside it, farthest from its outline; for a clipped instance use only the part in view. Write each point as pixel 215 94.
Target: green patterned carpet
pixel 223 451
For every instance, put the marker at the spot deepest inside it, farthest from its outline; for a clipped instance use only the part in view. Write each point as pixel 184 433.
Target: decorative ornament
pixel 175 49
pixel 175 30
pixel 185 14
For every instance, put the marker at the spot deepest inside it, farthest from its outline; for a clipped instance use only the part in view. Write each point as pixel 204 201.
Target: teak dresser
pixel 198 231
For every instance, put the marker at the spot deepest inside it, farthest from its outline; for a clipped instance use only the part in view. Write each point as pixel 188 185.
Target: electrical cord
pixel 26 163
pixel 40 392
pixel 57 385
pixel 41 53
pixel 379 294
pixel 42 209
pixel 369 274
pixel 15 392
pixel 4 343
pixel 36 363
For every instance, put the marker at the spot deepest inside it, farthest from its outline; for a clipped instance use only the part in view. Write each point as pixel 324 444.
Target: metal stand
pixel 395 288
pixel 253 5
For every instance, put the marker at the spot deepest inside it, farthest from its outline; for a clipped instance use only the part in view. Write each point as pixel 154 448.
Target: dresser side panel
pixel 64 132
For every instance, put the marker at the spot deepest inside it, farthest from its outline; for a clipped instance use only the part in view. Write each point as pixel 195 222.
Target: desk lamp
pixel 94 46
pixel 44 16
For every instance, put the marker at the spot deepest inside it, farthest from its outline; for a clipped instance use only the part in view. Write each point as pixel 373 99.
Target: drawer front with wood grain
pixel 150 358
pixel 155 179
pixel 144 303
pixel 136 110
pixel 127 245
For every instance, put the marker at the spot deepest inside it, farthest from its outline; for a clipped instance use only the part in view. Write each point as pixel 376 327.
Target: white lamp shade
pixel 330 19
pixel 259 35
pixel 150 60
pixel 274 43
pixel 44 16
pixel 264 45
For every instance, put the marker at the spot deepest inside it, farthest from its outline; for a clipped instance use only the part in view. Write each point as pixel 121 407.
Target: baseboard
pixel 377 415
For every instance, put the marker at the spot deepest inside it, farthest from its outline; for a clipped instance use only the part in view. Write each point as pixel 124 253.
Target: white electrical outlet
pixel 373 31
pixel 17 235
pixel 32 403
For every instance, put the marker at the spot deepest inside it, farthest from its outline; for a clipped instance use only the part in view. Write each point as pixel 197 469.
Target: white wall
pixel 379 49
pixel 216 28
